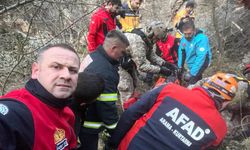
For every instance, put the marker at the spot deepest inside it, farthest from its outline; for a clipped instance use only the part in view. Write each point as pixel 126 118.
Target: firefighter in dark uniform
pixel 103 113
pixel 173 117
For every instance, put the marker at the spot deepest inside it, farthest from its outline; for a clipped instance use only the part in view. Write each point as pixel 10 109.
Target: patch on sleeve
pixel 86 61
pixel 3 109
pixel 202 49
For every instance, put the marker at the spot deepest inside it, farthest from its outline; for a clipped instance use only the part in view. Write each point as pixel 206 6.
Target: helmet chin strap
pixel 218 99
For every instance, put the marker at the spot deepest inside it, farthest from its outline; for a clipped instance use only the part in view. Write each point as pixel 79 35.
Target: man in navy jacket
pixel 102 114
pixel 173 117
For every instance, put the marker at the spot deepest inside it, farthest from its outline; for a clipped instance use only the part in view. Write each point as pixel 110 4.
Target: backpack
pixel 139 32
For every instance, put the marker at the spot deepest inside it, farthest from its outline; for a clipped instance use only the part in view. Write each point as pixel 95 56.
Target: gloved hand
pixel 165 71
pixel 126 62
pixel 187 77
pixel 179 72
pixel 190 79
pixel 170 66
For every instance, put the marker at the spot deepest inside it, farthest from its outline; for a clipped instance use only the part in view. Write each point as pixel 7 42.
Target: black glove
pixel 187 77
pixel 165 71
pixel 126 62
pixel 191 79
pixel 170 66
pixel 178 72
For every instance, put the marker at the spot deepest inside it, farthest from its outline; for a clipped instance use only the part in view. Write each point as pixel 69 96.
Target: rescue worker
pixel 168 48
pixel 89 87
pixel 138 77
pixel 174 117
pixel 188 11
pixel 132 15
pixel 102 21
pixel 194 51
pixel 175 6
pixel 237 110
pixel 102 114
pixel 37 116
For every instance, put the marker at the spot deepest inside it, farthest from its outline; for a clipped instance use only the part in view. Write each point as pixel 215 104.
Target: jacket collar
pixel 107 12
pixel 198 31
pixel 101 50
pixel 37 90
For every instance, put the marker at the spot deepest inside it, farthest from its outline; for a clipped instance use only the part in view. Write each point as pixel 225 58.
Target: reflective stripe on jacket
pixel 108 97
pixel 103 112
pixel 97 125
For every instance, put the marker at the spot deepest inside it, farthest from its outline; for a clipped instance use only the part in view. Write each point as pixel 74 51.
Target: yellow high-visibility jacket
pixel 131 20
pixel 180 14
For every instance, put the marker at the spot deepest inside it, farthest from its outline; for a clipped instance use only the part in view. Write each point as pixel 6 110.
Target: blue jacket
pixel 197 52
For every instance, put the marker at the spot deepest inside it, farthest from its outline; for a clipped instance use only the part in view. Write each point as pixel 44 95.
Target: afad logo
pixel 60 139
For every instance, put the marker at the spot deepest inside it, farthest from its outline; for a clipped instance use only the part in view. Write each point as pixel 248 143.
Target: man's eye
pixel 73 71
pixel 55 67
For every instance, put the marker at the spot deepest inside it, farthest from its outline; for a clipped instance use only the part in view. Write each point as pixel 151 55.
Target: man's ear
pixel 35 70
pixel 113 48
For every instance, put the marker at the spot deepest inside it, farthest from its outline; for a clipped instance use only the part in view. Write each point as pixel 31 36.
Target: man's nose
pixel 65 73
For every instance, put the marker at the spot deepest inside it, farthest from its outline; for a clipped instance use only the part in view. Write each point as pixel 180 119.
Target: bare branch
pixel 79 3
pixel 220 41
pixel 15 6
pixel 22 48
pixel 68 27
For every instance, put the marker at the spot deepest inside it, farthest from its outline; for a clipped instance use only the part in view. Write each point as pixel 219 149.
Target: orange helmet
pixel 223 85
